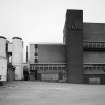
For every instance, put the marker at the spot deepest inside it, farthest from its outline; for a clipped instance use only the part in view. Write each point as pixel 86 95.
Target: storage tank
pixel 17 57
pixel 3 59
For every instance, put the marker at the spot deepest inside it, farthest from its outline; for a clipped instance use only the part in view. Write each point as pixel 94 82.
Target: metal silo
pixel 17 57
pixel 3 59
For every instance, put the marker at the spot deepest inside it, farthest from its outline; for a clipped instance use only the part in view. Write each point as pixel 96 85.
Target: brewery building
pixel 80 58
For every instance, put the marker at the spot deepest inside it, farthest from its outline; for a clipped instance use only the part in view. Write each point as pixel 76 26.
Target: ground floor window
pixel 94 78
pixel 48 72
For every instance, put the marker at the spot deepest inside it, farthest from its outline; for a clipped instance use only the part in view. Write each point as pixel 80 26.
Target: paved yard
pixel 41 93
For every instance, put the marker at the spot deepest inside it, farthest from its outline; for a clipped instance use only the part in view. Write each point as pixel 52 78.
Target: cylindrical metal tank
pixel 17 57
pixel 3 59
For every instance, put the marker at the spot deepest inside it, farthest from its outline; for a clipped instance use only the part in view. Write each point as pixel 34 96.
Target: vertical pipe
pixel 26 54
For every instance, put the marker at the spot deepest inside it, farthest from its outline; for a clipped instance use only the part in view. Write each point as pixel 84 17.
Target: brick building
pixel 79 59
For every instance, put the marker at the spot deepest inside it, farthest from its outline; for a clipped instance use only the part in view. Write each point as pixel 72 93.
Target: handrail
pixel 93 44
pixel 94 66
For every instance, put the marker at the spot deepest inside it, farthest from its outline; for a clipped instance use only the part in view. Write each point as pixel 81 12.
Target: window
pixel 36 45
pixel 36 60
pixel 50 67
pixel 45 68
pixel 36 54
pixel 0 77
pixel 54 68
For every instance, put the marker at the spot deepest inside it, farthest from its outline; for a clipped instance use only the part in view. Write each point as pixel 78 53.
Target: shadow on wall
pixel 26 73
pixel 10 72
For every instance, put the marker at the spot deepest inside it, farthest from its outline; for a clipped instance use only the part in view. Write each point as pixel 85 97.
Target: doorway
pixel 36 77
pixel 26 75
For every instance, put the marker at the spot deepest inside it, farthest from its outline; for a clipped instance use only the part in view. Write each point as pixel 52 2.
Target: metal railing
pixel 47 67
pixel 94 66
pixel 92 44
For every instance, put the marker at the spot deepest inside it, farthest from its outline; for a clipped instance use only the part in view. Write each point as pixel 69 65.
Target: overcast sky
pixel 43 20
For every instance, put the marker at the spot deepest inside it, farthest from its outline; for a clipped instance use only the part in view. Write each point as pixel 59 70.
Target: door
pixel 36 77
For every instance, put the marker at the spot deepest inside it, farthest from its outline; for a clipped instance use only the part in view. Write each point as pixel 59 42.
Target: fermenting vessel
pixel 17 57
pixel 3 59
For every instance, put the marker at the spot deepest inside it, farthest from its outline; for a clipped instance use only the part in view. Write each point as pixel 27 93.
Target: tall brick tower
pixel 73 37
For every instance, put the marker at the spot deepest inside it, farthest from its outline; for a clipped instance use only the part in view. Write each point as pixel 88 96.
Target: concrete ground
pixel 42 93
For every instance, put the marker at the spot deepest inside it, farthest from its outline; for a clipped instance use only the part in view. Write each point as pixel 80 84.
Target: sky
pixel 38 21
pixel 43 20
